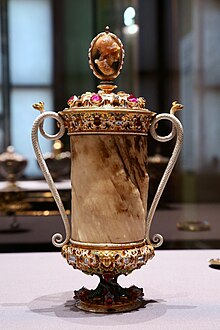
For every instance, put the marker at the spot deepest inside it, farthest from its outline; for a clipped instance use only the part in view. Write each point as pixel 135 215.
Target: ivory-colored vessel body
pixel 109 188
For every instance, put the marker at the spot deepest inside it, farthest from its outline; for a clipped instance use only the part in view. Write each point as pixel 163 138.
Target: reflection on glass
pixel 129 21
pixel 129 16
pixel 0 99
pixel 200 82
pixel 30 38
pixel 1 110
pixel 22 118
pixel 0 57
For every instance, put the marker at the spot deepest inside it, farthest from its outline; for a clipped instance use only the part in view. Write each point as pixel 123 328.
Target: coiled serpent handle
pixel 177 130
pixel 57 238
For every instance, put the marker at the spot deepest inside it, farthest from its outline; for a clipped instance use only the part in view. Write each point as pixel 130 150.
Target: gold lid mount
pixel 106 112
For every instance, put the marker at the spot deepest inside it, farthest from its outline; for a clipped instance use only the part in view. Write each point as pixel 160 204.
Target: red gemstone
pixel 96 98
pixel 71 99
pixel 132 98
pixel 109 302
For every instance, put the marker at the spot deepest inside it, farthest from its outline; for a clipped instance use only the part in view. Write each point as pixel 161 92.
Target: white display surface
pixel 182 291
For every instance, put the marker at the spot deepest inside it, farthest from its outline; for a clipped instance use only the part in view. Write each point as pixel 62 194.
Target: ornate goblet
pixel 109 231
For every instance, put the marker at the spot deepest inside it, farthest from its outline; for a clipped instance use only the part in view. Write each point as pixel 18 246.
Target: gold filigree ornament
pixel 94 259
pixel 105 112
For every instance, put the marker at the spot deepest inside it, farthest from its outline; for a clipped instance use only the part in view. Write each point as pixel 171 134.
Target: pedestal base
pixel 109 297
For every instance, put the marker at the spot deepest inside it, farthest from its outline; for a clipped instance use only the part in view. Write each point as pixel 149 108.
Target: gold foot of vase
pixel 108 262
pixel 109 297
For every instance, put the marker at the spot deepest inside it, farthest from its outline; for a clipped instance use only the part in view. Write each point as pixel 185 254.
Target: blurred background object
pixel 157 165
pixel 12 166
pixel 58 161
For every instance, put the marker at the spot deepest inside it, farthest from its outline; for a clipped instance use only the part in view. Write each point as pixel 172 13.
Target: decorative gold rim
pixel 107 122
pixel 101 261
pixel 115 110
pixel 108 246
pixel 117 308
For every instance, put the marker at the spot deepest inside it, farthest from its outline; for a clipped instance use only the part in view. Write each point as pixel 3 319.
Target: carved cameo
pixel 106 55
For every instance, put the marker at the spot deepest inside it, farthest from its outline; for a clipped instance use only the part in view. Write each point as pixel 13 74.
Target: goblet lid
pixel 106 112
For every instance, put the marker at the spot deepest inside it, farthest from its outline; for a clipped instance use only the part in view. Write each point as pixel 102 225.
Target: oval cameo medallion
pixel 106 55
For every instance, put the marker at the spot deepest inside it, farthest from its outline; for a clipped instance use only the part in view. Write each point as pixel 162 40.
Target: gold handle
pixel 57 238
pixel 177 130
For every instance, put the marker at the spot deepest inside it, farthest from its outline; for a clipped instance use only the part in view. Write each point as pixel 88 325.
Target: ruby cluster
pixel 131 98
pixel 96 98
pixel 71 100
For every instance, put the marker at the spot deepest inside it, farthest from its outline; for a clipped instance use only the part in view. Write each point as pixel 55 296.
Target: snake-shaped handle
pixel 57 238
pixel 177 130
